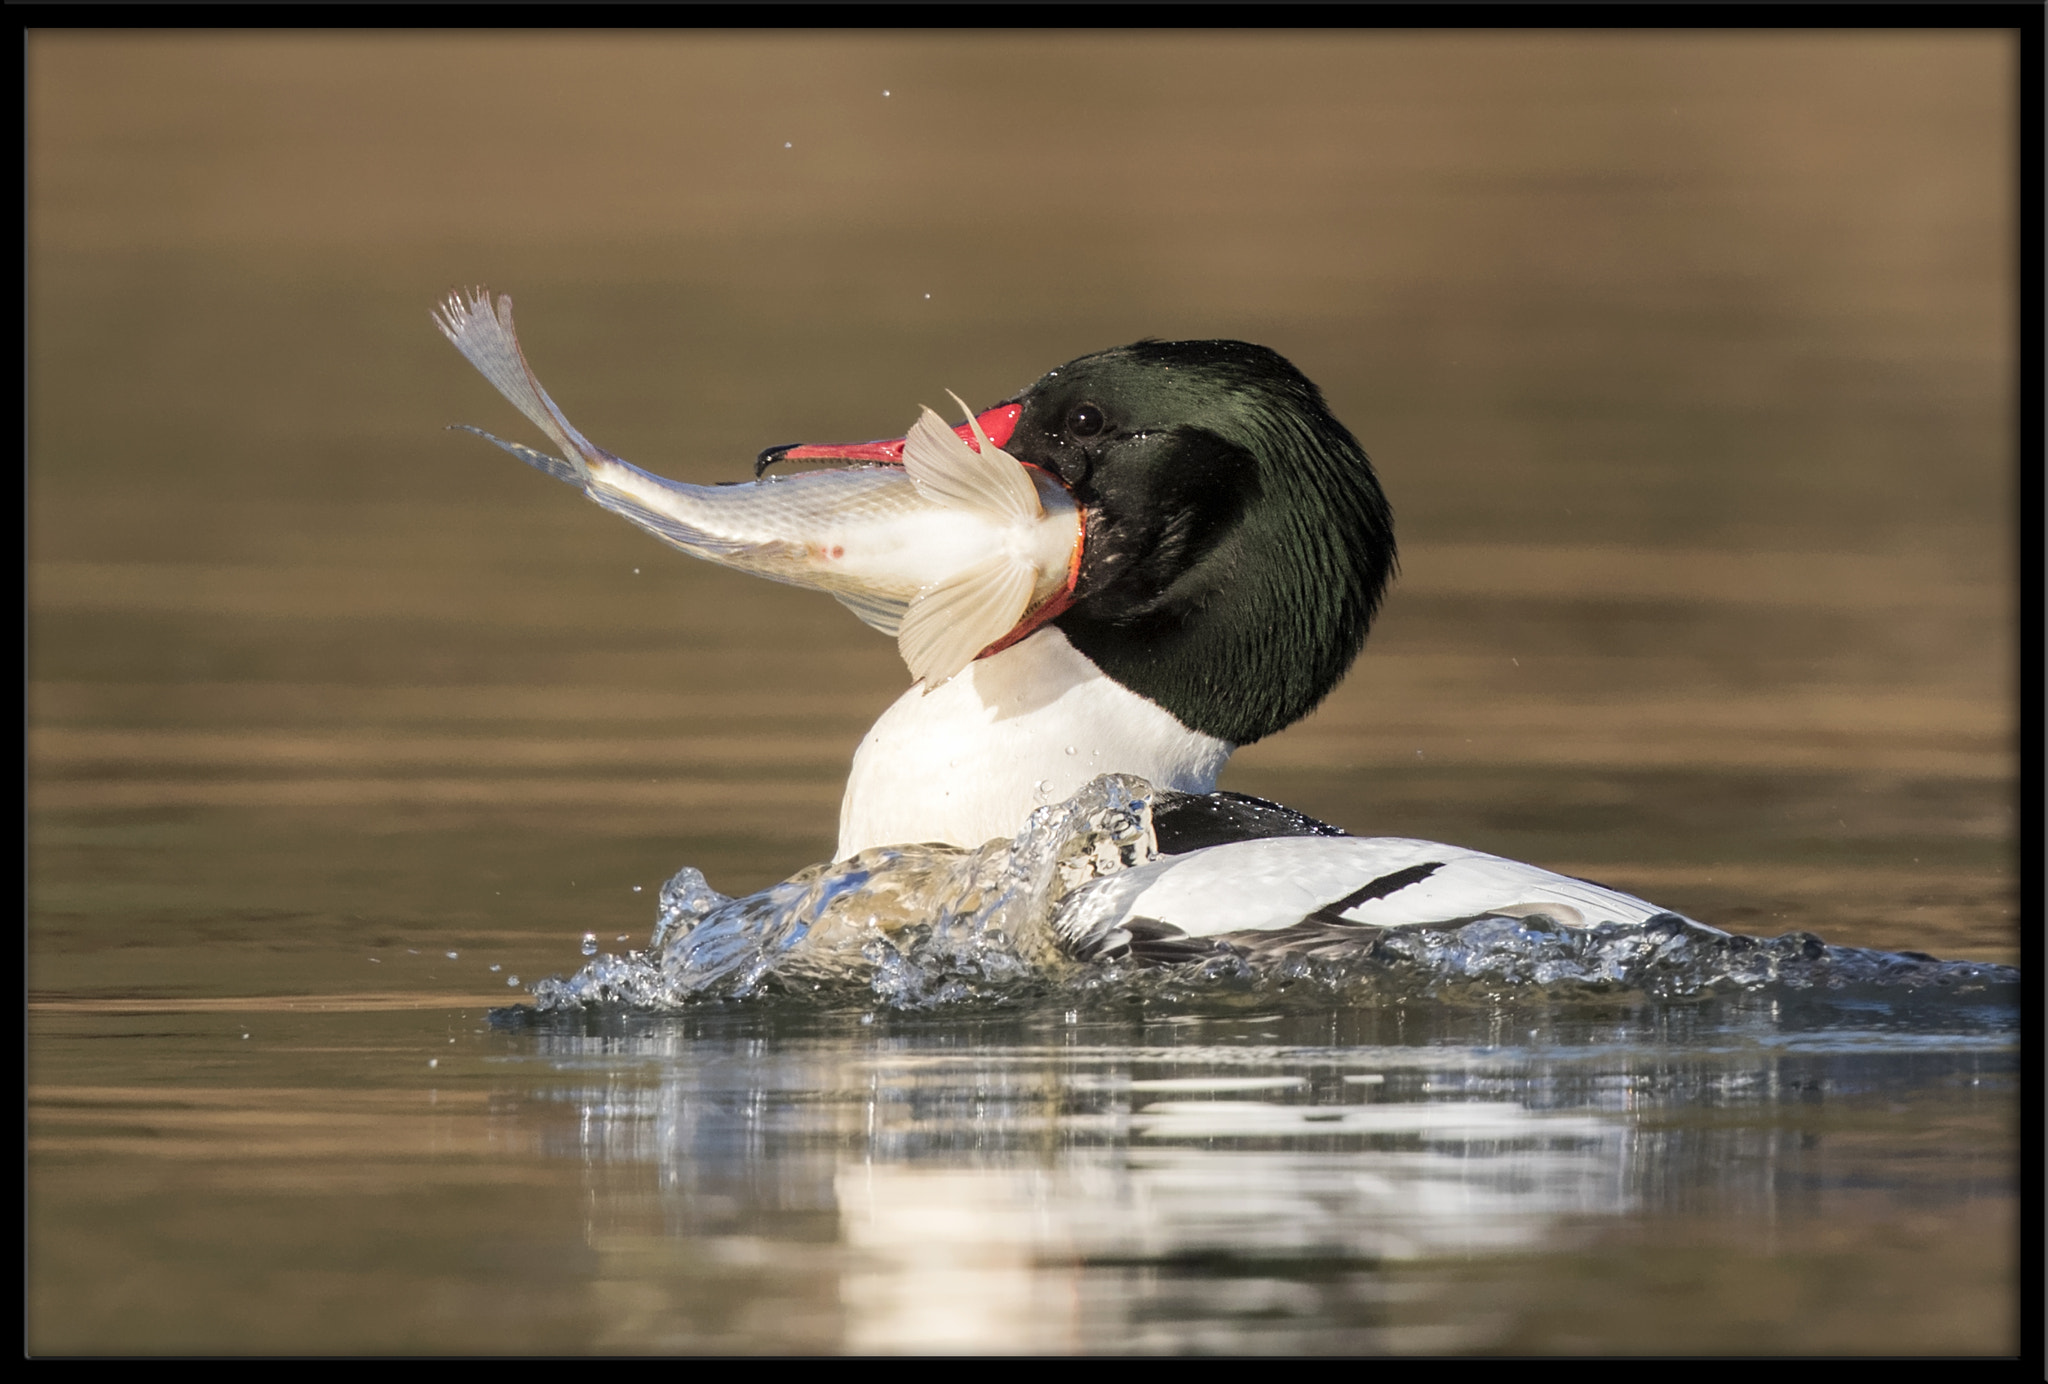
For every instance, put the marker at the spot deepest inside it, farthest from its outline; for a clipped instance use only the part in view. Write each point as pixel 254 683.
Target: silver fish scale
pixel 777 507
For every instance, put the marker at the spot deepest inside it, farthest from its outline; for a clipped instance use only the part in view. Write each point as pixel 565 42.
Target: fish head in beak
pixel 1008 590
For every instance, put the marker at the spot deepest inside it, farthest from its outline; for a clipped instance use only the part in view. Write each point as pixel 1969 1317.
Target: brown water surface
pixel 1687 364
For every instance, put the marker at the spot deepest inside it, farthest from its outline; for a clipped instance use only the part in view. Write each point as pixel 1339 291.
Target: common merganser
pixel 1193 565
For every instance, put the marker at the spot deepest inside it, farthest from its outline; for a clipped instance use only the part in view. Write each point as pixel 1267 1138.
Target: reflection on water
pixel 1746 1173
pixel 1231 1195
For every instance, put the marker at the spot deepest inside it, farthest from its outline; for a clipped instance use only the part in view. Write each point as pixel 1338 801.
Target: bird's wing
pixel 1264 890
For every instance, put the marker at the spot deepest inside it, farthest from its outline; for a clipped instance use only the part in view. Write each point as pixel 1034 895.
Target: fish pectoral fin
pixel 877 612
pixel 947 626
pixel 948 472
pixel 482 331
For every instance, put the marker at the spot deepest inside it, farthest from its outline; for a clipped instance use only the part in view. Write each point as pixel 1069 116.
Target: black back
pixel 1186 822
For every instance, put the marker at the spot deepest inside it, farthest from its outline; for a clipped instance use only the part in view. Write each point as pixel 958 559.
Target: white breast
pixel 969 760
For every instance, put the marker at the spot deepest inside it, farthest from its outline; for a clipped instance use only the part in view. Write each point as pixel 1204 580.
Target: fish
pixel 956 552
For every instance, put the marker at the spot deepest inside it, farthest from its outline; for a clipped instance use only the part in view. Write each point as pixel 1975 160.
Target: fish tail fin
pixel 540 461
pixel 483 332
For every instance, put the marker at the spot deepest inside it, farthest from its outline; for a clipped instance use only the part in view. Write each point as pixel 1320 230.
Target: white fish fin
pixel 540 461
pixel 485 337
pixel 884 613
pixel 948 472
pixel 948 625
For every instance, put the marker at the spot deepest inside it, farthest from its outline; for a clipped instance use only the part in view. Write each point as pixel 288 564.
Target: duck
pixel 1181 551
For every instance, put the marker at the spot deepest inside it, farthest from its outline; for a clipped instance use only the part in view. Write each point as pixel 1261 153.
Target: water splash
pixel 919 926
pixel 911 925
pixel 1667 958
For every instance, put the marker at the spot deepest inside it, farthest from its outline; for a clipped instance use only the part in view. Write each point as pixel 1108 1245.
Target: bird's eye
pixel 1086 420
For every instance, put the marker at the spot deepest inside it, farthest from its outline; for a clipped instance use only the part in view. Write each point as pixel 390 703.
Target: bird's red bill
pixel 998 423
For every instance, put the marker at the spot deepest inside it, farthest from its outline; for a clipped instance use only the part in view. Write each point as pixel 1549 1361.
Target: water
pixel 1651 338
pixel 1547 1176
pixel 913 927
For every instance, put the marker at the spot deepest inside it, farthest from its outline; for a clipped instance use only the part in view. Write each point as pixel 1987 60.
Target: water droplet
pixel 494 967
pixel 636 888
pixel 1072 750
pixel 590 944
pixel 511 980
